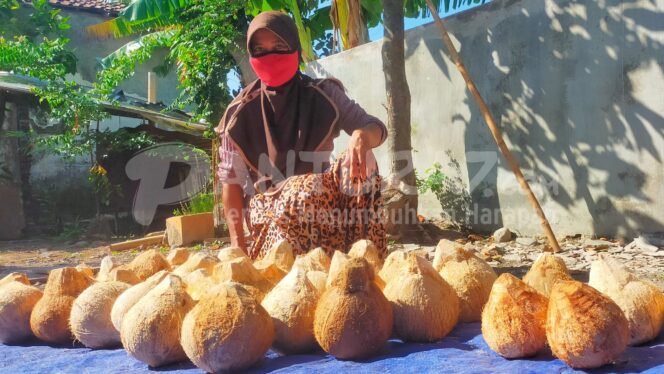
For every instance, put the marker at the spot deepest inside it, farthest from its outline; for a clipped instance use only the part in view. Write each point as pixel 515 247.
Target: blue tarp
pixel 463 351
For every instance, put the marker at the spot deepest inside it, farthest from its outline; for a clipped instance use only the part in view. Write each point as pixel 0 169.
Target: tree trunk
pixel 401 194
pixel 241 57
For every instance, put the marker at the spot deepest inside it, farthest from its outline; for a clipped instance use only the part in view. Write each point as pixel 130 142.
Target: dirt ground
pixel 37 257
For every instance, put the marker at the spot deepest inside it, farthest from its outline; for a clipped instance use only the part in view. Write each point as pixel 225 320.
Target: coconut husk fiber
pixel 545 272
pixel 147 264
pixel 177 256
pixel 17 301
pixel 231 253
pixel 277 262
pixel 15 277
pixel 195 262
pixel 243 271
pixel 128 298
pixel 90 318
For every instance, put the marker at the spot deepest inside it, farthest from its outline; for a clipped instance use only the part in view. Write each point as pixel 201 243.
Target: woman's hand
pixel 360 162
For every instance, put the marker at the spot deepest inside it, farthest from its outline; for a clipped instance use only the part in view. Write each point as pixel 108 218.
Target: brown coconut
pixel 277 262
pixel 641 301
pixel 396 263
pixel 425 307
pixel 177 256
pixel 584 328
pixel 150 330
pixel 243 271
pixel 128 298
pixel 514 318
pixel 471 278
pixel 107 264
pixel 230 254
pixel 195 262
pixel 123 275
pixel 367 249
pixel 444 248
pixel 199 283
pixel 314 260
pixel 49 320
pixel 338 262
pixel 147 264
pixel 292 304
pixel 17 300
pixel 90 318
pixel 545 272
pixel 18 277
pixel 227 331
pixel 85 269
pixel 353 319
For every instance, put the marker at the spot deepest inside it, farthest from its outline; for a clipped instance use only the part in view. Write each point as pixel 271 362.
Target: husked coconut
pixel 641 301
pixel 147 264
pixel 339 261
pixel 49 320
pixel 195 262
pixel 228 330
pixel 17 300
pixel 318 279
pixel 584 328
pixel 292 304
pixel 425 307
pixel 105 268
pixel 128 298
pixel 396 263
pixel 18 277
pixel 471 278
pixel 514 318
pixel 367 249
pixel 199 283
pixel 177 256
pixel 90 318
pixel 85 269
pixel 150 330
pixel 123 275
pixel 545 272
pixel 353 318
pixel 314 260
pixel 277 262
pixel 231 253
pixel 444 248
pixel 243 271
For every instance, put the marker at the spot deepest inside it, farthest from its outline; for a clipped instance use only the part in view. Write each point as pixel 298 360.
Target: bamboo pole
pixel 495 131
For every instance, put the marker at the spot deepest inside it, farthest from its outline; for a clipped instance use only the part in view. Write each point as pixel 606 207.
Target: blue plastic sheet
pixel 463 351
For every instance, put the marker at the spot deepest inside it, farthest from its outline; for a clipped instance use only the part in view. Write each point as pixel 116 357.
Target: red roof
pixel 105 7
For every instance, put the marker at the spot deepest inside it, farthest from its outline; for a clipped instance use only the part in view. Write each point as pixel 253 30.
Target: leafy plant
pixel 202 202
pixel 72 231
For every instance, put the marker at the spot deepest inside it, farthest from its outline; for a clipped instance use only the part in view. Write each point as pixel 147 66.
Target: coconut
pixel 199 283
pixel 339 261
pixel 17 300
pixel 105 268
pixel 545 272
pixel 292 304
pixel 444 248
pixel 314 260
pixel 227 331
pixel 318 279
pixel 49 320
pixel 243 271
pixel 18 277
pixel 425 307
pixel 395 264
pixel 230 254
pixel 90 318
pixel 123 275
pixel 277 262
pixel 131 296
pixel 514 318
pixel 641 301
pixel 150 330
pixel 584 328
pixel 177 256
pixel 367 249
pixel 353 319
pixel 195 262
pixel 471 278
pixel 85 269
pixel 147 264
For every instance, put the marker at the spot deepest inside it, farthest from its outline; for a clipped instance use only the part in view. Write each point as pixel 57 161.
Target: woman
pixel 276 141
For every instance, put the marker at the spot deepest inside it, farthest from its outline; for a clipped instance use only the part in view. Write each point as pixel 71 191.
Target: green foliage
pixel 202 202
pixel 72 231
pixel 102 185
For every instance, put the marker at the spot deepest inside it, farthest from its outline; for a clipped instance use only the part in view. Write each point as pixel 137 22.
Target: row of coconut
pixel 224 313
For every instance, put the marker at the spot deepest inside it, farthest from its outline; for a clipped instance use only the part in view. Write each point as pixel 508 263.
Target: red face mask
pixel 275 69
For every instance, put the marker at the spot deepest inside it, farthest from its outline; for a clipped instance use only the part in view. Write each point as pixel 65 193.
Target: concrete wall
pixel 577 88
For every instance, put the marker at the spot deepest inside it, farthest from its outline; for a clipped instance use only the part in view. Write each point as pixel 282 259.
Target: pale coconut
pixel 471 278
pixel 17 300
pixel 15 277
pixel 425 307
pixel 128 298
pixel 584 328
pixel 199 283
pixel 314 260
pixel 641 301
pixel 318 279
pixel 230 254
pixel 90 318
pixel 243 271
pixel 120 274
pixel 147 264
pixel 107 264
pixel 177 256
pixel 514 318
pixel 367 249
pixel 195 262
pixel 277 262
pixel 49 320
pixel 444 248
pixel 545 272
pixel 338 262
pixel 150 330
pixel 292 304
pixel 353 318
pixel 228 330
pixel 396 263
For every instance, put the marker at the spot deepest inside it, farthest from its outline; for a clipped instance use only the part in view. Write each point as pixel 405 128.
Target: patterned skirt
pixel 315 210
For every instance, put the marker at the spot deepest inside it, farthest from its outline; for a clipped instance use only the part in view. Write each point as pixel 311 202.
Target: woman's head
pixel 274 47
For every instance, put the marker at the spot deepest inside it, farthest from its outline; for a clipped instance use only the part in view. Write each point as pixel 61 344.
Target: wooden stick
pixel 495 131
